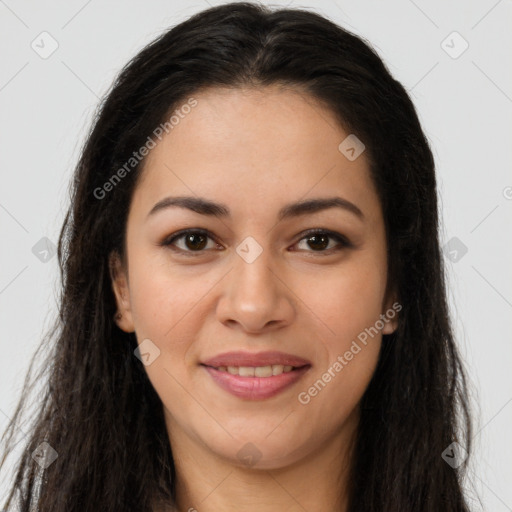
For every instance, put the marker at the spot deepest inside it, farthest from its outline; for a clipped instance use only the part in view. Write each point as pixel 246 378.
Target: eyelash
pixel 342 240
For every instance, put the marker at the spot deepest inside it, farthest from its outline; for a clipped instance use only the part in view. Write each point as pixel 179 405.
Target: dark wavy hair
pixel 98 409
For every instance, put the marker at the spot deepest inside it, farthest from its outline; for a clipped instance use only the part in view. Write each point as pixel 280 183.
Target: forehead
pixel 270 144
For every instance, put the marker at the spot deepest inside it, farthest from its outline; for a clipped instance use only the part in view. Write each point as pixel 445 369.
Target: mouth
pixel 256 376
pixel 256 371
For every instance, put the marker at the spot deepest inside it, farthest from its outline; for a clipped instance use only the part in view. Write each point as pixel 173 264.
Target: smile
pixel 256 371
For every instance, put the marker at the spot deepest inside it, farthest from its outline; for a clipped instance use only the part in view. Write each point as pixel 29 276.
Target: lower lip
pixel 255 388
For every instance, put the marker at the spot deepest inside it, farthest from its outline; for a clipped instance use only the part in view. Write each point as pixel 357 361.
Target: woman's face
pixel 255 292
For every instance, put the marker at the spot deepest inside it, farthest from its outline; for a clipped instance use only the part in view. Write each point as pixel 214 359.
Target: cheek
pixel 164 306
pixel 163 300
pixel 349 307
pixel 348 301
pixel 169 307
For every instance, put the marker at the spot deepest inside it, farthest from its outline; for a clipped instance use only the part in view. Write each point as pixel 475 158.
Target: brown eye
pixel 319 241
pixel 195 241
pixel 190 241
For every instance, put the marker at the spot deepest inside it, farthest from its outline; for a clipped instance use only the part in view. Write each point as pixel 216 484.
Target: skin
pixel 256 150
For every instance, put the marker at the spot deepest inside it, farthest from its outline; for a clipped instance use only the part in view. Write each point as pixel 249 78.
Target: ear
pixel 391 313
pixel 119 278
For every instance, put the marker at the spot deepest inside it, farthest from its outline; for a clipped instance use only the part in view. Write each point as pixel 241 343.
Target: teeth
pixel 246 371
pixel 277 369
pixel 262 371
pixel 256 371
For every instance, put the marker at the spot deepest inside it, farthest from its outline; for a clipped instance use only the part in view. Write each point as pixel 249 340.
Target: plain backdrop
pixel 453 58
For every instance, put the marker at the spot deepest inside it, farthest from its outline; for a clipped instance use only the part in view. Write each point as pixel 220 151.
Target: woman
pixel 253 313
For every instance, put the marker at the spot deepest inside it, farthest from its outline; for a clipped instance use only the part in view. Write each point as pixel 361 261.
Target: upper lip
pixel 268 358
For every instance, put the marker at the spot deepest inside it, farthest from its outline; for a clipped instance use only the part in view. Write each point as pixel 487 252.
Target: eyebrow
pixel 207 207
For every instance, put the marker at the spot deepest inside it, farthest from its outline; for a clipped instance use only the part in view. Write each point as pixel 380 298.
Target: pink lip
pixel 268 358
pixel 255 388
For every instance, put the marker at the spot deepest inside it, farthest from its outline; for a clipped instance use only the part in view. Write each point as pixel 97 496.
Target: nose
pixel 256 296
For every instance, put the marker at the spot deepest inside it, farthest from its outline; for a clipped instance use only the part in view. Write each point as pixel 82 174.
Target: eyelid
pixel 343 241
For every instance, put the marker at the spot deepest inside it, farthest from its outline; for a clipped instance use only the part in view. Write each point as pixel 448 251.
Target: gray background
pixel 464 100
